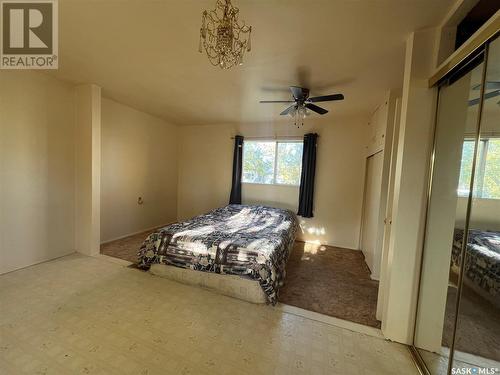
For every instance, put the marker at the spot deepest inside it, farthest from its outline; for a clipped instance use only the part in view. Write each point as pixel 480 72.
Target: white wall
pixel 411 176
pixel 37 178
pixel 205 165
pixel 139 159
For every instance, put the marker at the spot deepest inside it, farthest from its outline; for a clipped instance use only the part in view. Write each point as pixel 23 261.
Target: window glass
pixel 289 162
pixel 258 162
pixel 466 168
pixel 487 181
pixel 491 181
pixel 272 162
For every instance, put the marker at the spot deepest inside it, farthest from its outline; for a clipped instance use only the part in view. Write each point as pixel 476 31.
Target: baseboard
pixel 37 263
pixel 351 326
pixel 139 231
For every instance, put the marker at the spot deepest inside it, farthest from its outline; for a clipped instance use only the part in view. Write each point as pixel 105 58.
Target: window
pixel 487 182
pixel 272 162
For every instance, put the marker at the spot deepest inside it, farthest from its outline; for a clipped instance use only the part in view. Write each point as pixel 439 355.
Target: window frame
pixel 275 166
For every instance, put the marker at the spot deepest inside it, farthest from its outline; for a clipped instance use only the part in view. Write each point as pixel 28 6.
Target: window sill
pixel 478 198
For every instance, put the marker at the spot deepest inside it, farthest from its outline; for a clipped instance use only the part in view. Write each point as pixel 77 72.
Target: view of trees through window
pixel 272 162
pixel 487 182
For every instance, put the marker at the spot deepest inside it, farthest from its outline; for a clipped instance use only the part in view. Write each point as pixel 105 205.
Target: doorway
pixel 372 228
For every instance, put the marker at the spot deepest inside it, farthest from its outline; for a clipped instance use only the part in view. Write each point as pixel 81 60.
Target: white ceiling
pixel 144 53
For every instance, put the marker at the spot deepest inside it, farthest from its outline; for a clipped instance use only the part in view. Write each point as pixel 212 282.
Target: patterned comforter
pixel 482 265
pixel 249 241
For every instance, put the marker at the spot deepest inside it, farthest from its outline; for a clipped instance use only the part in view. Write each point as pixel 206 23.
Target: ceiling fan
pixel 301 102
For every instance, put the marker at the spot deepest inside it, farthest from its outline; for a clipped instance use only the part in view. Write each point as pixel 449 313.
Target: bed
pixel 226 248
pixel 482 266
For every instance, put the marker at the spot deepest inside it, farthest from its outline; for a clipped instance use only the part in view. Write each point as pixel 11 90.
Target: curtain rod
pixel 274 137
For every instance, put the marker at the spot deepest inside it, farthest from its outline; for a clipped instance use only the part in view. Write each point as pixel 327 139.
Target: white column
pixel 88 169
pixel 409 202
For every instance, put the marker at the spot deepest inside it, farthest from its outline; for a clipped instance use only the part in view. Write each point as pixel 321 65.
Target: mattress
pixel 482 265
pixel 252 242
pixel 228 285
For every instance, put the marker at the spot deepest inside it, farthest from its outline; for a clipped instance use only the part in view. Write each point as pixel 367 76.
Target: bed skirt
pixel 228 285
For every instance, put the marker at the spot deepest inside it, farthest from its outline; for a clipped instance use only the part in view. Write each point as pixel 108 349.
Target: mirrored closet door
pixel 458 316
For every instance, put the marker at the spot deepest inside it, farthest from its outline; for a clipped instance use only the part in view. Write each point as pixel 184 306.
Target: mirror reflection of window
pixel 477 338
pixel 487 179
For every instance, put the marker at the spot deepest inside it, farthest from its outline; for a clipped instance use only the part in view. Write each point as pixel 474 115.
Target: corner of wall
pixel 87 169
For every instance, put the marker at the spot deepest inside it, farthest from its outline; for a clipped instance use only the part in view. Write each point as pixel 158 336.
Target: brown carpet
pixel 331 281
pixel 125 248
pixel 327 280
pixel 478 330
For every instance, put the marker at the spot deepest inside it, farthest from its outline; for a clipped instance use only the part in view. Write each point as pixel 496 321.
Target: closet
pixel 458 314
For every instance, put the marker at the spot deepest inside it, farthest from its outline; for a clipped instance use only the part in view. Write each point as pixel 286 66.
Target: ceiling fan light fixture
pixel 302 112
pixel 303 105
pixel 223 37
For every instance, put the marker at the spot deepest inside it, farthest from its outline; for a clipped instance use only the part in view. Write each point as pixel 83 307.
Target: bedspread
pixel 249 241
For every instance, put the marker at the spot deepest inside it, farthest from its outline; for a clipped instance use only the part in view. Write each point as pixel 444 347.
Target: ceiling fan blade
pixel 299 93
pixel 490 85
pixel 288 110
pixel 316 109
pixel 326 98
pixel 488 95
pixel 277 101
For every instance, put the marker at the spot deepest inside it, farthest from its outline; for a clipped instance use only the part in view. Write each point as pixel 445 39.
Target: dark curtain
pixel 235 197
pixel 306 192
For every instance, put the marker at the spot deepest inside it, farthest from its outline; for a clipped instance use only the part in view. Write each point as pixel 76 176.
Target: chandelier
pixel 223 37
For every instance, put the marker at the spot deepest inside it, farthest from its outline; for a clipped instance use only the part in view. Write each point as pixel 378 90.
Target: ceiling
pixel 144 53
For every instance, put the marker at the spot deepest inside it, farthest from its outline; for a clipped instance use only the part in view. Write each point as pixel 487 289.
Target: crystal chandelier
pixel 223 37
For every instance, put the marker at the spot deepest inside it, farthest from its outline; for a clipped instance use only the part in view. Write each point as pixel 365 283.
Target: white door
pixel 370 236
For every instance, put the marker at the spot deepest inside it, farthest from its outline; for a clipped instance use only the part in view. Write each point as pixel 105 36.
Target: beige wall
pixel 139 159
pixel 88 169
pixel 272 195
pixel 484 214
pixel 205 164
pixel 37 178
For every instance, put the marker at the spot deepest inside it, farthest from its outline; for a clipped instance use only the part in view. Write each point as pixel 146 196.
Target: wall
pixel 37 179
pixel 139 159
pixel 451 126
pixel 484 214
pixel 272 195
pixel 88 169
pixel 205 165
pixel 410 187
